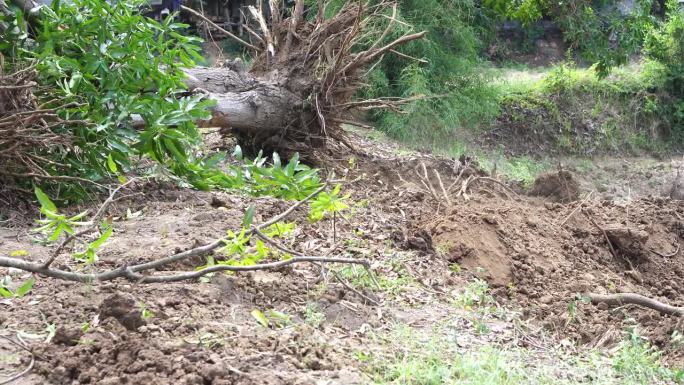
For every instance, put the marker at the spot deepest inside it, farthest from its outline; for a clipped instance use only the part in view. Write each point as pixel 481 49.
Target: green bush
pixel 454 80
pixel 100 65
pixel 602 33
pixel 108 62
pixel 665 44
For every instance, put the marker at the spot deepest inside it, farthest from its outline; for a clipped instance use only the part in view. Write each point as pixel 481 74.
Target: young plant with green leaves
pixel 329 203
pixel 54 225
pixel 21 290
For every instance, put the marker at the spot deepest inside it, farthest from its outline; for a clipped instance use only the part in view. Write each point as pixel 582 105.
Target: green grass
pixel 432 358
pixel 522 169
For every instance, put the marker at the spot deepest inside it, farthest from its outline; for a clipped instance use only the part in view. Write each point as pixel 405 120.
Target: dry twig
pixel 579 206
pixel 635 299
pixel 672 254
pixel 605 235
pixel 218 28
pixel 15 377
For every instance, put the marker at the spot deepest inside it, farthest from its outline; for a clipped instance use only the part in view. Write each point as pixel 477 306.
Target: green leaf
pixel 103 238
pixel 237 153
pixel 56 233
pixel 111 164
pixel 6 293
pixel 260 318
pixel 45 201
pixel 25 287
pixel 249 217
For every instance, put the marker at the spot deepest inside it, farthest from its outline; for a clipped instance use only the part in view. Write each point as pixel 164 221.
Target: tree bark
pixel 258 112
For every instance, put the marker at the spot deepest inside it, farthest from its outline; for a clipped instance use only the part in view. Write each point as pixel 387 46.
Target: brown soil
pixel 542 266
pixel 204 333
pixel 560 186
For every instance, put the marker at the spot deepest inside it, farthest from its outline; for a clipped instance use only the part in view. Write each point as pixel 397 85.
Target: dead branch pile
pixel 25 126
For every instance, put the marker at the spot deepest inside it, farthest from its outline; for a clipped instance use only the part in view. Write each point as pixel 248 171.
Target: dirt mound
pixel 522 249
pixel 629 242
pixel 561 186
pixel 677 189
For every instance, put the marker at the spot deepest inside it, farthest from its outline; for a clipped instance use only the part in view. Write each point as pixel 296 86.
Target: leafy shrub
pixel 665 44
pixel 100 65
pixel 602 33
pixel 91 60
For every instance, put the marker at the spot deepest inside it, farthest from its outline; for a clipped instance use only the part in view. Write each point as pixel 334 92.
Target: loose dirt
pixel 536 253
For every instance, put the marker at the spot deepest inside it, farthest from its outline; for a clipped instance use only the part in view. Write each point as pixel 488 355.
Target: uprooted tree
pixel 304 75
pixel 85 102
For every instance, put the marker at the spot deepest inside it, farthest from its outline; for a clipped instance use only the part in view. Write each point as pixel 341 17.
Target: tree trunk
pixel 259 113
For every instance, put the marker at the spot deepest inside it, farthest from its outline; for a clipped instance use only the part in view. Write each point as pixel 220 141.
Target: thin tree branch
pixel 635 299
pixel 129 273
pixel 223 31
pixel 52 177
pixel 23 372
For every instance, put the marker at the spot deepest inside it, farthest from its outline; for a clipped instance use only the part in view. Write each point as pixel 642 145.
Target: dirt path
pixel 533 256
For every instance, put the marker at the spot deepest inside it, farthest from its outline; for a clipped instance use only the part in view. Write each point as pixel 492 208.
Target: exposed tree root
pixel 635 299
pixel 304 76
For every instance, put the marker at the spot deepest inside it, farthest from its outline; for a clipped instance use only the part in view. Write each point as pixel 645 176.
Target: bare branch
pixel 579 206
pixel 405 56
pixel 15 377
pixel 129 273
pixel 605 235
pixel 672 254
pixel 635 299
pixel 132 272
pixel 52 177
pixel 93 223
pixel 259 17
pixel 388 29
pixel 223 31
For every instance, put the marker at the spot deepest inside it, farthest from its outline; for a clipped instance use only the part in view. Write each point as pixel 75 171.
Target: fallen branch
pixel 492 180
pixel 218 28
pixel 605 235
pixel 133 272
pixel 441 186
pixel 130 272
pixel 577 208
pixel 635 299
pixel 672 254
pixel 352 289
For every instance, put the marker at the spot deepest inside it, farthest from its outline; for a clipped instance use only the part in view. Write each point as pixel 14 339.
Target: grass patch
pixel 572 111
pixel 431 358
pixel 521 169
